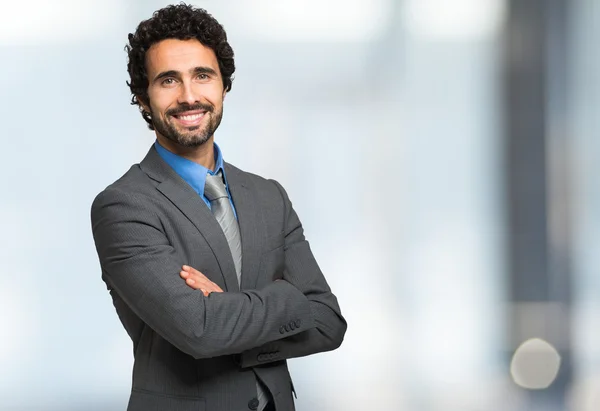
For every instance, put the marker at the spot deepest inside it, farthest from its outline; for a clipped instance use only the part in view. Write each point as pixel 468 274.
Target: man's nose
pixel 189 95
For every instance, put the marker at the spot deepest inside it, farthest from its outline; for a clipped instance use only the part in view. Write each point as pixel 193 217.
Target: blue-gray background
pixel 391 108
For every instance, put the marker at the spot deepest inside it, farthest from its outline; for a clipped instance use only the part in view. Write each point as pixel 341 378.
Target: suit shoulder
pixel 247 174
pixel 132 184
pixel 262 184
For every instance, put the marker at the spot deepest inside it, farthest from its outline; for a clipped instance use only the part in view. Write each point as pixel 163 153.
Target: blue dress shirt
pixel 193 173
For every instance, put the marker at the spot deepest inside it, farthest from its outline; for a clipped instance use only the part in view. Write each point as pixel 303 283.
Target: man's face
pixel 185 90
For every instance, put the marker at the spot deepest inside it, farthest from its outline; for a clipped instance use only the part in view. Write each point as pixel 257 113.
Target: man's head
pixel 180 67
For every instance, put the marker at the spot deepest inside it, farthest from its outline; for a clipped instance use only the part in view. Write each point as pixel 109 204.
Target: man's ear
pixel 143 105
pixel 224 94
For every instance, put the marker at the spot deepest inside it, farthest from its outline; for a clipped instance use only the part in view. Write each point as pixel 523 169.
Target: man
pixel 207 265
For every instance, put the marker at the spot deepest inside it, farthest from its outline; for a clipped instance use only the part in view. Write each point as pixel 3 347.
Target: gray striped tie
pixel 215 191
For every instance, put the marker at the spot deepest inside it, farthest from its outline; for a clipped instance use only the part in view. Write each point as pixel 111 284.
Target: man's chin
pixel 192 142
pixel 187 137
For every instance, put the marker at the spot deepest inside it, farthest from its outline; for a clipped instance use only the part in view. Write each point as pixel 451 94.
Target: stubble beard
pixel 191 137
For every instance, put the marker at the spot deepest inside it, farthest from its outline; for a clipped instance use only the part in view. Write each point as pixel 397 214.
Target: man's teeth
pixel 191 117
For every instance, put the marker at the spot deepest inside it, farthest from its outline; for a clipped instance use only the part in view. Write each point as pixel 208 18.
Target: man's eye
pixel 202 76
pixel 168 81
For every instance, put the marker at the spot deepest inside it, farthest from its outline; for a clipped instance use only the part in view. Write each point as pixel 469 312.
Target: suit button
pixel 293 325
pixel 287 327
pixel 298 323
pixel 253 404
pixel 260 357
pixel 282 329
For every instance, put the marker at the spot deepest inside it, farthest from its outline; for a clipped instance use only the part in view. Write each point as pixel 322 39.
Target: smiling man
pixel 207 265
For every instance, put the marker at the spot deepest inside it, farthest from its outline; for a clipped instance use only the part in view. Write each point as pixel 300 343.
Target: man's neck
pixel 203 155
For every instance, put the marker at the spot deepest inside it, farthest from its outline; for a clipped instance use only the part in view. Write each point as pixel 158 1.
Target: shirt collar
pixel 193 173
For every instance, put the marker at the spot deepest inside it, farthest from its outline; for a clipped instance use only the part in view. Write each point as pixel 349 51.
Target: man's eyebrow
pixel 204 70
pixel 168 73
pixel 195 70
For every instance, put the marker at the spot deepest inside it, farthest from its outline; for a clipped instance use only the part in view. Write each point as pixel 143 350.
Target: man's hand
pixel 198 281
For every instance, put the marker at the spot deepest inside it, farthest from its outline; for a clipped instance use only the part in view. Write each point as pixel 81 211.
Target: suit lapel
pixel 248 219
pixel 172 186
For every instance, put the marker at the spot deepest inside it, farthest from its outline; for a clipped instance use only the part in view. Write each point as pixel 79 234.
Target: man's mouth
pixel 190 118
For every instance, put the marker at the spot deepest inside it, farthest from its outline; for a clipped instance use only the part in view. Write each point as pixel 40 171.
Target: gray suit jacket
pixel 204 353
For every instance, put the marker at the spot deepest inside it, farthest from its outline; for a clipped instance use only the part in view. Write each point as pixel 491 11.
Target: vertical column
pixel 538 277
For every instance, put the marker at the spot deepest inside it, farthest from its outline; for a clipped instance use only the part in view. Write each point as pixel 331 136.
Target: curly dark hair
pixel 182 22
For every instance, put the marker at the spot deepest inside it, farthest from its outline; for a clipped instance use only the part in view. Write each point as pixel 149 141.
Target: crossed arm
pixel 140 264
pixel 323 337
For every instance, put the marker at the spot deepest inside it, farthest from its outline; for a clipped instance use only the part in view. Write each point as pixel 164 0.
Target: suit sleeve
pixel 302 271
pixel 139 263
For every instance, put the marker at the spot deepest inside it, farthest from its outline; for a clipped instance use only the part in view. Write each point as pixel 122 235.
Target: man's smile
pixel 190 118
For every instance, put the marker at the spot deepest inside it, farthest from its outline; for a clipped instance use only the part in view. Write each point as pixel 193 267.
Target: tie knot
pixel 214 187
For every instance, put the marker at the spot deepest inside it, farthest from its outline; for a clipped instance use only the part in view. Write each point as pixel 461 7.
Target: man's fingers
pixel 198 281
pixel 194 280
pixel 197 275
pixel 192 270
pixel 191 280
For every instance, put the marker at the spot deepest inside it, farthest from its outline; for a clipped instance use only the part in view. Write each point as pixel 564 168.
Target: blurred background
pixel 452 139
